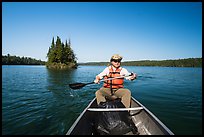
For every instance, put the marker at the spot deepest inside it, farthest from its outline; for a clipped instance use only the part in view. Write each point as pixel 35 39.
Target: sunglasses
pixel 116 60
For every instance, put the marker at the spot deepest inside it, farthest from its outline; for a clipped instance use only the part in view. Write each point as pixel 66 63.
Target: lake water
pixel 36 100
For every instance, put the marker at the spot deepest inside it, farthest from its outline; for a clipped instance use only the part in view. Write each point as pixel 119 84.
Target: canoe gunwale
pixel 114 109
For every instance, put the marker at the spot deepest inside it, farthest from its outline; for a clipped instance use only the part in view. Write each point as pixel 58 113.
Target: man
pixel 114 88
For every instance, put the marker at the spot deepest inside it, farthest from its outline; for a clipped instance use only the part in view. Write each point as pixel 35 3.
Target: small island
pixel 60 55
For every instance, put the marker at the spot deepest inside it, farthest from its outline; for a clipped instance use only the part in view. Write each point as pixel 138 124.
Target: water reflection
pixel 60 77
pixel 63 98
pixel 58 82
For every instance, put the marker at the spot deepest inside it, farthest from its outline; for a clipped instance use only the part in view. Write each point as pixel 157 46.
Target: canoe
pixel 145 121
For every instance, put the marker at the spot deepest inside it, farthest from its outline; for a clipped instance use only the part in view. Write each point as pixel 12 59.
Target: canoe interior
pixel 143 119
pixel 146 122
pixel 84 125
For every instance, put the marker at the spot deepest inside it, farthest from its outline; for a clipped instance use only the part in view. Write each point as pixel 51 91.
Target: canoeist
pixel 114 88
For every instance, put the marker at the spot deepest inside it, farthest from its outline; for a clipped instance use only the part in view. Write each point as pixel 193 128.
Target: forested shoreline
pixel 188 62
pixel 16 60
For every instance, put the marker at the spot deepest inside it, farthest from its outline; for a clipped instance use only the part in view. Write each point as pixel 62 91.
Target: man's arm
pixel 101 75
pixel 125 72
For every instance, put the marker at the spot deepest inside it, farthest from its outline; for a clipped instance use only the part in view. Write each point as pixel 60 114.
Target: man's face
pixel 116 63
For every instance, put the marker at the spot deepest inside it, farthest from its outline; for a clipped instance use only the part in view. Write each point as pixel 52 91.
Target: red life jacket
pixel 115 83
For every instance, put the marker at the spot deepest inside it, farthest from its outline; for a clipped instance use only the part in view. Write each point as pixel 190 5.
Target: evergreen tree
pixel 58 50
pixel 51 52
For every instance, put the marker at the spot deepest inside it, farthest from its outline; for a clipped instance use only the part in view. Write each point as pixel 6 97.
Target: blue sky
pixel 97 30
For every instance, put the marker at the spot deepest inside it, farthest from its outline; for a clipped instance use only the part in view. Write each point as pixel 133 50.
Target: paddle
pixel 81 85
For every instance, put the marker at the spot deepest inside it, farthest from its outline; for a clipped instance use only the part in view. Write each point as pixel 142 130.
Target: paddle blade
pixel 76 85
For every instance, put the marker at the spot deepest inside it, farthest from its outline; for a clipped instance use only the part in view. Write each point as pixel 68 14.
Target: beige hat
pixel 117 57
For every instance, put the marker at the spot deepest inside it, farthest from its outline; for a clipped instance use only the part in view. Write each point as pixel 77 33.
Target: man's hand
pixel 97 80
pixel 133 76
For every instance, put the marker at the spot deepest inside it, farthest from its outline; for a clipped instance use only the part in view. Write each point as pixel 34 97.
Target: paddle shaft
pixel 108 79
pixel 80 85
pixel 115 78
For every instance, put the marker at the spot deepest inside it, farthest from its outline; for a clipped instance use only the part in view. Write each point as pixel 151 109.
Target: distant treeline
pixel 15 60
pixel 189 62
